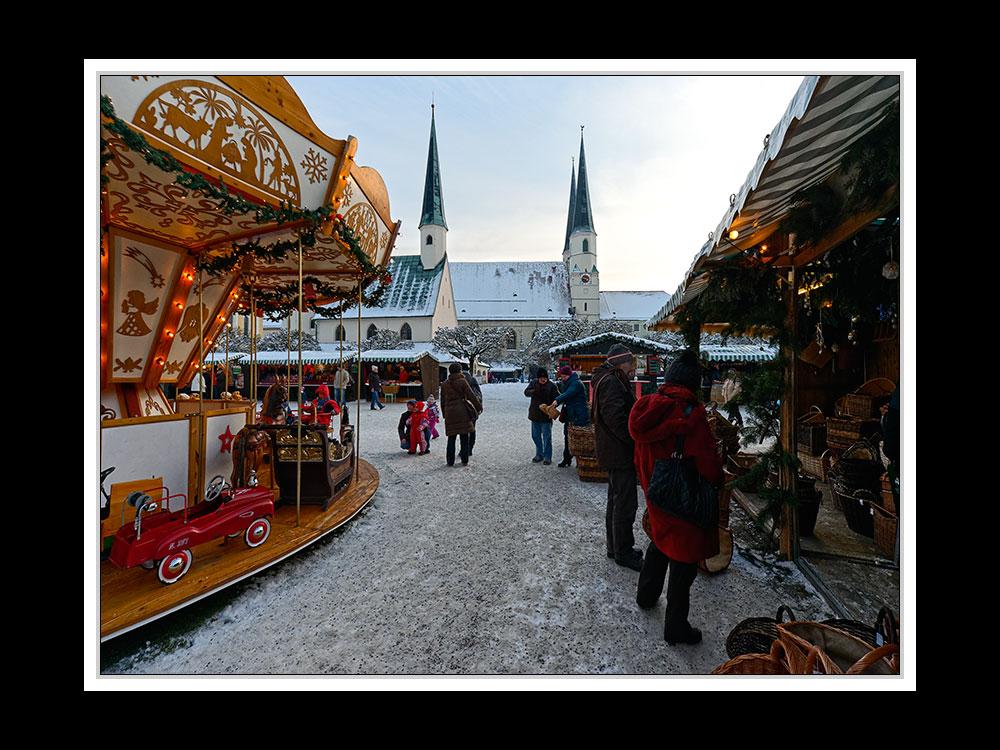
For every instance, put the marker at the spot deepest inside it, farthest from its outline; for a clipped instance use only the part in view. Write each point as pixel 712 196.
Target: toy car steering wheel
pixel 216 487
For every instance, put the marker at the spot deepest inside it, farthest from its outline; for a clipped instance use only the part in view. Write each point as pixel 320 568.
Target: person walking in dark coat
pixel 460 407
pixel 574 399
pixel 656 422
pixel 541 390
pixel 613 401
pixel 376 386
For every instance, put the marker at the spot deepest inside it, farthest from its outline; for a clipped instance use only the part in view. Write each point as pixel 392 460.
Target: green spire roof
pixel 583 220
pixel 572 208
pixel 433 207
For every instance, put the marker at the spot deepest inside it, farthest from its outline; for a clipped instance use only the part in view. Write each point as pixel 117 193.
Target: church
pixel 428 291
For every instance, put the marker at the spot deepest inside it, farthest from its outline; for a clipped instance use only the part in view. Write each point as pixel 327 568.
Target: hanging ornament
pixel 891 269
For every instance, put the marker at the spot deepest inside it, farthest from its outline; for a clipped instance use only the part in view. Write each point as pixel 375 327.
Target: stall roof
pixel 419 351
pixel 612 336
pixel 827 115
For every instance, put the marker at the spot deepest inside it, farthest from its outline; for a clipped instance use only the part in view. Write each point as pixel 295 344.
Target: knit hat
pixel 565 370
pixel 541 373
pixel 618 354
pixel 420 406
pixel 411 402
pixel 685 371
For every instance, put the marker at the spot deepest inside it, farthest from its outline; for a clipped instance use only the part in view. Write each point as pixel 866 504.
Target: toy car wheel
pixel 174 566
pixel 258 532
pixel 148 564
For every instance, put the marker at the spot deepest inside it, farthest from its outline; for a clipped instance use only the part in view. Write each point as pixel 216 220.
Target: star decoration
pixel 227 441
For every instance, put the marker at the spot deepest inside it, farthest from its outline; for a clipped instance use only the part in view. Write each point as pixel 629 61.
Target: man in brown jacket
pixel 613 401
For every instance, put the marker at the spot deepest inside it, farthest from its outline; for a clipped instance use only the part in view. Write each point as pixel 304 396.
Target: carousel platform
pixel 134 597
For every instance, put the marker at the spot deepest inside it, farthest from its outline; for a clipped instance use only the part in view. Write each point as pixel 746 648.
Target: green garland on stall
pixel 277 300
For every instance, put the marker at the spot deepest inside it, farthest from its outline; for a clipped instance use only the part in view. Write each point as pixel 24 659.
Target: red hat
pixel 565 370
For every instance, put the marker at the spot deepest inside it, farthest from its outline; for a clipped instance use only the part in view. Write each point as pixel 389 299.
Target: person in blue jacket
pixel 574 400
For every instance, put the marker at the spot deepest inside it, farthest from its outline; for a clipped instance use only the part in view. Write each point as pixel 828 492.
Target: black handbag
pixel 678 488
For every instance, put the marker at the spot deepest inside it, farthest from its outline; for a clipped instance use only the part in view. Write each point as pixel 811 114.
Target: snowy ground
pixel 494 569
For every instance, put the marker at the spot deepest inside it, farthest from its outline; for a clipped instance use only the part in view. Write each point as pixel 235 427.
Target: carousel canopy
pixel 214 186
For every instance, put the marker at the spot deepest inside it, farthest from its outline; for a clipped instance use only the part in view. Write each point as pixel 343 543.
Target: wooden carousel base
pixel 133 597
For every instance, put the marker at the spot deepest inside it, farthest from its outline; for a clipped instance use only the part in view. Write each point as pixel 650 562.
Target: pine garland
pixel 276 300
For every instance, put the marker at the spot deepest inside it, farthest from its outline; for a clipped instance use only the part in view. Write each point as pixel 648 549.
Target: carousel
pixel 219 196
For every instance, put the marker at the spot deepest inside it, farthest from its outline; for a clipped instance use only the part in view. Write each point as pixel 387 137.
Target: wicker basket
pixel 866 401
pixel 857 507
pixel 581 440
pixel 884 525
pixel 724 432
pixel 812 647
pixel 721 561
pixel 589 471
pixel 771 663
pixel 811 431
pixel 756 635
pixel 815 466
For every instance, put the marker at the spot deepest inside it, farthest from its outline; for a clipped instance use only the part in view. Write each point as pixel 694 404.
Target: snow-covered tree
pixel 384 338
pixel 279 341
pixel 472 343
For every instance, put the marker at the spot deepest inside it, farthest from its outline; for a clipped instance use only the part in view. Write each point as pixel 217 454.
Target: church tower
pixel 580 250
pixel 433 229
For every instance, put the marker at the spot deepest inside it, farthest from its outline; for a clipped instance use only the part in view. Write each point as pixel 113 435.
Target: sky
pixel 664 153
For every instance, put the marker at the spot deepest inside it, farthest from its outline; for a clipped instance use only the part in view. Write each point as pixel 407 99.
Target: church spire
pixel 572 209
pixel 433 206
pixel 583 220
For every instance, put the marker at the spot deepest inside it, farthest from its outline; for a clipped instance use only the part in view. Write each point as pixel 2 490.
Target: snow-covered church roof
pixel 413 291
pixel 632 305
pixel 511 290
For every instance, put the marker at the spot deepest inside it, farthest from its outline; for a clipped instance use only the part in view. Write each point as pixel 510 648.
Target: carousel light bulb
pixel 733 234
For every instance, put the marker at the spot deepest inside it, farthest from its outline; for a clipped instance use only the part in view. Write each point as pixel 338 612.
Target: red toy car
pixel 164 540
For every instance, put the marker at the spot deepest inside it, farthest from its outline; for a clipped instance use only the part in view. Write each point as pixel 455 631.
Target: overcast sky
pixel 664 153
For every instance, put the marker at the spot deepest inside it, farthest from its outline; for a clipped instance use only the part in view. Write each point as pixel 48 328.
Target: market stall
pixel 584 355
pixel 404 373
pixel 809 251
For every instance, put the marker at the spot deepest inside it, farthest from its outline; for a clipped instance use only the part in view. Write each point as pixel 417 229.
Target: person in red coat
pixel 655 423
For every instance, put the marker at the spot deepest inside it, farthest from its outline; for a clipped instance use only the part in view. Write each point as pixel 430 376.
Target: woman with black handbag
pixel 660 423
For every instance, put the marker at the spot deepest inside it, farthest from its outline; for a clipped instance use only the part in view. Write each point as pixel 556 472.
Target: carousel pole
pixel 252 380
pixel 298 457
pixel 201 380
pixel 229 325
pixel 357 423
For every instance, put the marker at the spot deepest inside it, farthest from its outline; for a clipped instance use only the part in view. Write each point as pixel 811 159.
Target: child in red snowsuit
pixel 418 423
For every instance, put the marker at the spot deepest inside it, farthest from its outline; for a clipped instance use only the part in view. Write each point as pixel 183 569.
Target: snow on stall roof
pixel 420 349
pixel 631 305
pixel 623 337
pixel 511 290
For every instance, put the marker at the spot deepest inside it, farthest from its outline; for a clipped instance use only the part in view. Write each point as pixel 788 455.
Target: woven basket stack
pixel 765 646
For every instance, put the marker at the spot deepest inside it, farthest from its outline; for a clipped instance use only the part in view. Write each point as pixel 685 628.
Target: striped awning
pixel 737 353
pixel 308 358
pixel 827 115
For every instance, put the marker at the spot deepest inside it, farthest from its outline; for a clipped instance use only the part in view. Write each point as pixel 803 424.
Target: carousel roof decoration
pixel 205 188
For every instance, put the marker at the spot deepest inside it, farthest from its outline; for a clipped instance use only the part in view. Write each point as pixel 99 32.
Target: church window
pixel 585 307
pixel 430 240
pixel 586 246
pixel 405 333
pixel 372 330
pixel 341 334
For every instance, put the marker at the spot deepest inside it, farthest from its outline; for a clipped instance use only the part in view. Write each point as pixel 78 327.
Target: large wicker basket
pixel 756 635
pixel 589 471
pixel 581 440
pixel 884 524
